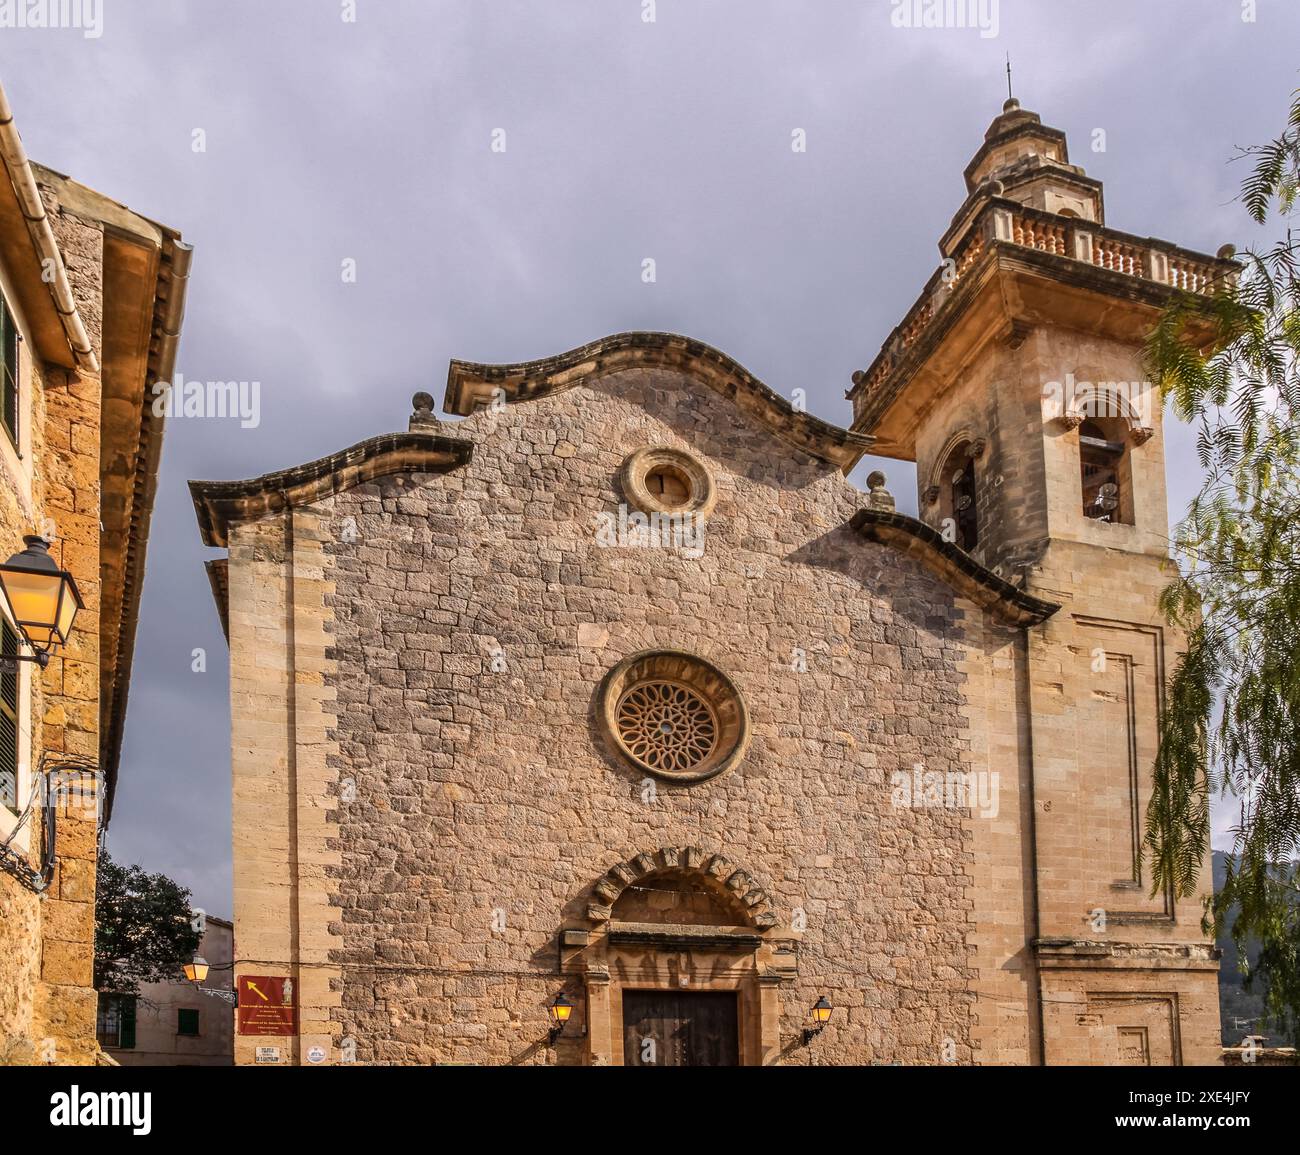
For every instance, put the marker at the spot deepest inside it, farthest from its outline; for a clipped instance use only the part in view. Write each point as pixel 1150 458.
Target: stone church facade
pixel 616 689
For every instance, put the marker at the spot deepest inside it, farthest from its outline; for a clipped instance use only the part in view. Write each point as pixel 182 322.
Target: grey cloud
pixel 625 141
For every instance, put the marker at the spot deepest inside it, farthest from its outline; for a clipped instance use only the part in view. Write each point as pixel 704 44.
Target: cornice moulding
pixel 219 503
pixel 471 385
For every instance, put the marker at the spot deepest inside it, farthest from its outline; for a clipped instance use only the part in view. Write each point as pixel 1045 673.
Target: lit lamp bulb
pixel 820 1015
pixel 41 598
pixel 560 1010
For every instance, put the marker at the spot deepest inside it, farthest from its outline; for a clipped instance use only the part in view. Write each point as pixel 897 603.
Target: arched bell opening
pixel 957 485
pixel 1105 471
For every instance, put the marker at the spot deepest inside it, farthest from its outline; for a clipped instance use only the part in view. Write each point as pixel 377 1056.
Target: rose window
pixel 666 727
pixel 675 715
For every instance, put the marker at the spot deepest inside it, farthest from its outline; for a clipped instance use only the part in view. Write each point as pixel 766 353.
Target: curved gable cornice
pixel 953 565
pixel 218 503
pixel 471 385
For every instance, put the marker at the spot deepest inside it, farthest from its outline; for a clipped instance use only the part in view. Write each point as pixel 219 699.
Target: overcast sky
pixel 625 140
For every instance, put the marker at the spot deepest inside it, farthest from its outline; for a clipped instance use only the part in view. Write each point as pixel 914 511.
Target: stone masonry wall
pixel 69 478
pixel 20 908
pixel 47 1003
pixel 474 618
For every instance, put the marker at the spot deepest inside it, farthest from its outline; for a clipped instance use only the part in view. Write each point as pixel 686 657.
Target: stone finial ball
pixel 423 402
pixel 875 479
pixel 858 376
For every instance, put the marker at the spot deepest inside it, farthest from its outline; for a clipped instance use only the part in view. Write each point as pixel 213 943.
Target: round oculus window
pixel 674 715
pixel 661 480
pixel 669 486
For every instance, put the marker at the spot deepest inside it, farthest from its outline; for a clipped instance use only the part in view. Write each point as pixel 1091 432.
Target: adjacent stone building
pixel 93 297
pixel 616 693
pixel 175 1024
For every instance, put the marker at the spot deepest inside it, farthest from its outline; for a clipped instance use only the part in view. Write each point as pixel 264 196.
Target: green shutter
pixel 187 1021
pixel 127 1011
pixel 8 721
pixel 9 373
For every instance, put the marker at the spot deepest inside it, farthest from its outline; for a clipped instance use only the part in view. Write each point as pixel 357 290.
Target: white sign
pixel 268 1054
pixel 315 1054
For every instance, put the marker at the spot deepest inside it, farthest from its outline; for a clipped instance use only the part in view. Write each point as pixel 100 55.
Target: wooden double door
pixel 681 1029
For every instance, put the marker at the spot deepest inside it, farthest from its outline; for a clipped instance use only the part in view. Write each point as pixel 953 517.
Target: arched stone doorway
pixel 682 963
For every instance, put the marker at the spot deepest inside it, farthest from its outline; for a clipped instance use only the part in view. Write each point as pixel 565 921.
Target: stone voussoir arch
pixel 954 441
pixel 1106 399
pixel 743 887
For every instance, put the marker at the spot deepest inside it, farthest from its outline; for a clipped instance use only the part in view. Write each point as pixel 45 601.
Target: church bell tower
pixel 1016 384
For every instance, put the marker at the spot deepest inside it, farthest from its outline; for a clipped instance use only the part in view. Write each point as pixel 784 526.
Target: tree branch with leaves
pixel 144 930
pixel 1232 720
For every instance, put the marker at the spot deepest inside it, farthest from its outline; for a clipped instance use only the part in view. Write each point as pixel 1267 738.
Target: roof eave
pixel 42 282
pixel 953 565
pixel 221 504
pixel 164 342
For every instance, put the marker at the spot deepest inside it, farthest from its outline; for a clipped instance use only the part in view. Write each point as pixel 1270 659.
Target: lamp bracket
pixel 9 663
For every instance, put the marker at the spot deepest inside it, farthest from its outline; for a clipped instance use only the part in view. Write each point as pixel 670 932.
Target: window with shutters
pixel 187 1021
pixel 9 372
pixel 8 720
pixel 115 1022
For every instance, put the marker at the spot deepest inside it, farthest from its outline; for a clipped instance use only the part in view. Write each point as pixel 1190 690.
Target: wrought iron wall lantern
pixel 560 1010
pixel 197 970
pixel 42 600
pixel 820 1015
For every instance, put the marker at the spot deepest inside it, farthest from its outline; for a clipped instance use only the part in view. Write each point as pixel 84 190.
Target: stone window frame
pixel 700 676
pixel 951 444
pixel 1092 401
pixel 699 481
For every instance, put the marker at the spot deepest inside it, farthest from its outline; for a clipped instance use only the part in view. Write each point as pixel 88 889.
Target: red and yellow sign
pixel 266 1005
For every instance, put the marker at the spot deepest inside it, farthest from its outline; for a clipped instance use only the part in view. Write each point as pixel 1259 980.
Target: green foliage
pixel 1276 922
pixel 1232 718
pixel 143 931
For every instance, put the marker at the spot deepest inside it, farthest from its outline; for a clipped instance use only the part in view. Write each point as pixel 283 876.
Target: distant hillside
pixel 1235 1002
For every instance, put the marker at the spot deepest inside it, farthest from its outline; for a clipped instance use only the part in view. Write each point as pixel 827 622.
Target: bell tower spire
pixel 1016 381
pixel 1031 161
